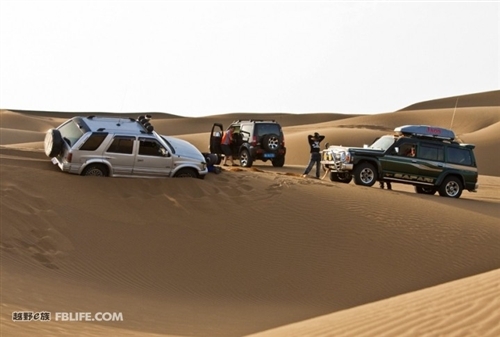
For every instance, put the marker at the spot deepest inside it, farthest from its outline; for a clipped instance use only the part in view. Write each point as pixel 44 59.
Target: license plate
pixel 268 155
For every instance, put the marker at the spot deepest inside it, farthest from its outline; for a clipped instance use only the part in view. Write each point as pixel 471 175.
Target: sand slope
pixel 250 251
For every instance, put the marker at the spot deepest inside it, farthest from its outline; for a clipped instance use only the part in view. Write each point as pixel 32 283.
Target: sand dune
pixel 257 251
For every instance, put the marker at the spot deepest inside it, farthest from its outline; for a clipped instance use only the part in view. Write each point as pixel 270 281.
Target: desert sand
pixel 258 251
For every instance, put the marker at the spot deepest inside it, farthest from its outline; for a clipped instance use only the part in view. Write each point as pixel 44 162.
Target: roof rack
pixel 254 120
pixel 426 131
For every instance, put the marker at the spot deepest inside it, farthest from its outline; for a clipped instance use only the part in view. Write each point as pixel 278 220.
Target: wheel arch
pixel 104 163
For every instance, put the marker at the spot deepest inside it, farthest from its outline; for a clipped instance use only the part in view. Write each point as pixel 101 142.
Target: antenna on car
pixel 453 116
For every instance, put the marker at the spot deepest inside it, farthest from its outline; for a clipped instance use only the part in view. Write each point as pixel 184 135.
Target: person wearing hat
pixel 314 144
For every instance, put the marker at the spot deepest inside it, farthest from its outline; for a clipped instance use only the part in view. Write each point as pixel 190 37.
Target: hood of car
pixel 183 148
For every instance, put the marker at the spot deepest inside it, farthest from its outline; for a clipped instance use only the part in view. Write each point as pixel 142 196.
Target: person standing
pixel 389 185
pixel 227 139
pixel 314 144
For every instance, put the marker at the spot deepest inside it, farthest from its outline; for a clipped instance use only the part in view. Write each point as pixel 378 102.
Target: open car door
pixel 215 139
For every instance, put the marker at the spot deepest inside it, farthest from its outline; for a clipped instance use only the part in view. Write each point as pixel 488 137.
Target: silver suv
pixel 113 146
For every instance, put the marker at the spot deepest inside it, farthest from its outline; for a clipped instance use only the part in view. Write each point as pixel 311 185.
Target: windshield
pixel 382 143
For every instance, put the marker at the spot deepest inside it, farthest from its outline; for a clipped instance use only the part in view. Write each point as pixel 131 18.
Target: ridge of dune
pixel 488 98
pixel 466 307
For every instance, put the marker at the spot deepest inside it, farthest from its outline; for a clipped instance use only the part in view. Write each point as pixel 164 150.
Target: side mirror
pixel 396 150
pixel 327 145
pixel 365 146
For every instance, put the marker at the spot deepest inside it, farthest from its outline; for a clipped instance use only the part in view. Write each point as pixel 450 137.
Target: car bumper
pixel 337 166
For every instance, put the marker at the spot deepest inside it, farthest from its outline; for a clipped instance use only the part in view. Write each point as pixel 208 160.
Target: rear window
pixel 266 129
pixel 459 156
pixel 70 132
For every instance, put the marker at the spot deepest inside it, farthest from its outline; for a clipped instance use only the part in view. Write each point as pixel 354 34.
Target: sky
pixel 197 58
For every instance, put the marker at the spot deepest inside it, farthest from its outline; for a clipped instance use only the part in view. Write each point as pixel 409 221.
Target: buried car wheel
pixel 451 187
pixel 185 173
pixel 425 189
pixel 95 170
pixel 365 174
pixel 343 177
pixel 53 143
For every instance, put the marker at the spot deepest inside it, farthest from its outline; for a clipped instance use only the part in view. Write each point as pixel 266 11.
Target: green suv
pixel 427 157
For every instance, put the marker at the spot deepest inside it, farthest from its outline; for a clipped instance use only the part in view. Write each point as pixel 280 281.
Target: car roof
pixel 112 124
pixel 426 131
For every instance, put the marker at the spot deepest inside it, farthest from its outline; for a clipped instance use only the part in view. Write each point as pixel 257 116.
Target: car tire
pixel 53 143
pixel 425 190
pixel 279 161
pixel 451 187
pixel 341 177
pixel 271 142
pixel 95 170
pixel 245 158
pixel 186 173
pixel 365 174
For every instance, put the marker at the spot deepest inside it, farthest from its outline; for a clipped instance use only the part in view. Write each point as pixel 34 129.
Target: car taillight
pixel 254 140
pixel 69 157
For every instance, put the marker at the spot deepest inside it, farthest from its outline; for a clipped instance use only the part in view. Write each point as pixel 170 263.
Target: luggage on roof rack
pixel 426 131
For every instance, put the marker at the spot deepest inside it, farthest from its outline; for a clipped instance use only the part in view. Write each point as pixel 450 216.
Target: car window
pixel 460 156
pixel 122 144
pixel 95 140
pixel 266 129
pixel 431 152
pixel 70 132
pixel 151 147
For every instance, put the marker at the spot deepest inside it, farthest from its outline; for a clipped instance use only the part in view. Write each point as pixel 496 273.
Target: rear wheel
pixel 53 143
pixel 185 173
pixel 279 161
pixel 451 187
pixel 95 170
pixel 425 189
pixel 343 177
pixel 245 158
pixel 365 174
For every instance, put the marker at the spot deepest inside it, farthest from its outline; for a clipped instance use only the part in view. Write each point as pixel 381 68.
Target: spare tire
pixel 53 143
pixel 271 142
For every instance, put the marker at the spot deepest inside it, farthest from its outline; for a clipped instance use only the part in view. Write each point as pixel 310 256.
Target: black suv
pixel 252 140
pixel 427 157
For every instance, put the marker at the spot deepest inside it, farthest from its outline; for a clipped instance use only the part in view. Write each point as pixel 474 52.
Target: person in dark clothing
pixel 389 186
pixel 314 141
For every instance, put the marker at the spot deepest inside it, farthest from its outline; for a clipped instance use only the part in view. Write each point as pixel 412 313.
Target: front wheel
pixel 245 158
pixel 344 177
pixel 365 174
pixel 185 173
pixel 451 187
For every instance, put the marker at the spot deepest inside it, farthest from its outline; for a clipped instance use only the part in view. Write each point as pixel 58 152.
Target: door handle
pixel 413 161
pixel 140 159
